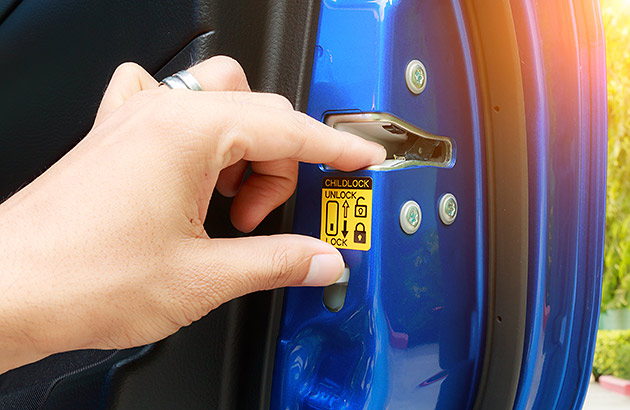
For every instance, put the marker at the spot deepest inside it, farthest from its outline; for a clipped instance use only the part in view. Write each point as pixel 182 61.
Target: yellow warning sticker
pixel 347 212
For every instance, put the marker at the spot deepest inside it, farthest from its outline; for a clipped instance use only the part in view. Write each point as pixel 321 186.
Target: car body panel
pixel 413 324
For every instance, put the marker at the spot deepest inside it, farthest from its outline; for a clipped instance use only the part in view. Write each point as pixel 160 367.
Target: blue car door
pixel 473 254
pixel 494 117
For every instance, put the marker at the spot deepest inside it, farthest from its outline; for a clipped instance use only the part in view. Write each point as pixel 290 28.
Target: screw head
pixel 416 76
pixel 448 208
pixel 413 216
pixel 410 217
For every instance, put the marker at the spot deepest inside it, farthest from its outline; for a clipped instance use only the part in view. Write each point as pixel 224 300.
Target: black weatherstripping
pixel 499 77
pixel 59 56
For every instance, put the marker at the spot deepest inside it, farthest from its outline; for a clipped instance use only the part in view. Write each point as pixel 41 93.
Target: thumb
pixel 128 80
pixel 227 268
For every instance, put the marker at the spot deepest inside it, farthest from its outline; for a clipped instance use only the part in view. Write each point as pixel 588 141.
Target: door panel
pixel 59 57
pixel 411 331
pixel 519 86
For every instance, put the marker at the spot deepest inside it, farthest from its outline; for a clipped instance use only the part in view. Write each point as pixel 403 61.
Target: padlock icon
pixel 360 236
pixel 360 210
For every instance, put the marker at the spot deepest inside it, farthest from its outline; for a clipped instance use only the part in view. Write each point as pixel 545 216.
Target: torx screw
pixel 448 208
pixel 410 217
pixel 416 76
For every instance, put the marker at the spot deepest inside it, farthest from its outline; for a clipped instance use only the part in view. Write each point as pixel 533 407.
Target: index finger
pixel 254 131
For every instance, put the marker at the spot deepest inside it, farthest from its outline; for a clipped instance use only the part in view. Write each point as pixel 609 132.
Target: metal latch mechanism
pixel 406 144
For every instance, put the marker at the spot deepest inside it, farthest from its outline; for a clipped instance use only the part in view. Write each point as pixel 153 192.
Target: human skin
pixel 107 249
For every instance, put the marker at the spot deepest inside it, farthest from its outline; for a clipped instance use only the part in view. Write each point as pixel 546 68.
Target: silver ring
pixel 182 80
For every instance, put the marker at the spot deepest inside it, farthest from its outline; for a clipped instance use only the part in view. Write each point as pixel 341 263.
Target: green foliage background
pixel 616 287
pixel 612 353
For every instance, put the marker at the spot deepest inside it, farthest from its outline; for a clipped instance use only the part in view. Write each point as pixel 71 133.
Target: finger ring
pixel 182 79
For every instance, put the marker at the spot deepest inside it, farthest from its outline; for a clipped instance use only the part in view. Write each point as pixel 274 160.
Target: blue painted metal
pixel 561 46
pixel 411 333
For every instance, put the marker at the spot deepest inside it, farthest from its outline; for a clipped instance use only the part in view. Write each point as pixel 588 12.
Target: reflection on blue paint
pixel 564 78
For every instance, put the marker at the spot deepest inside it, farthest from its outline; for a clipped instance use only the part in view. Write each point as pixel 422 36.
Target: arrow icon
pixel 345 209
pixel 344 231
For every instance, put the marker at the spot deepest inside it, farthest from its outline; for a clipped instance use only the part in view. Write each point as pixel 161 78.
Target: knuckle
pixel 230 71
pixel 279 189
pixel 281 268
pixel 227 61
pixel 282 101
pixel 128 69
pixel 302 120
pixel 231 143
pixel 302 128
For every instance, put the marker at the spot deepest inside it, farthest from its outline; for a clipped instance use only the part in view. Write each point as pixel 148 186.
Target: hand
pixel 107 248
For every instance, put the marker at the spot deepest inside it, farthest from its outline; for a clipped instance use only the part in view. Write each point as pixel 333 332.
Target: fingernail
pixel 324 270
pixel 383 154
